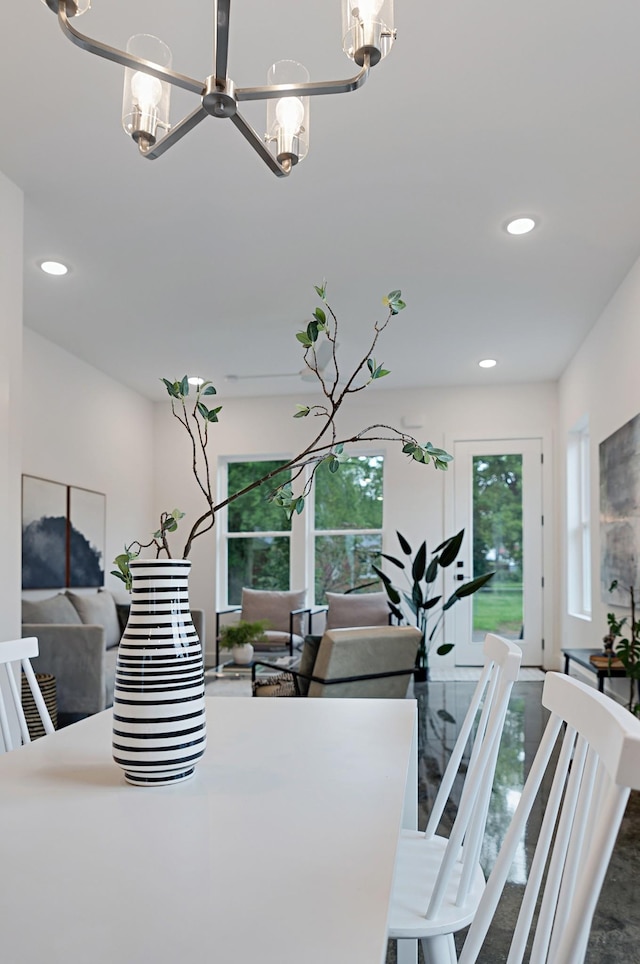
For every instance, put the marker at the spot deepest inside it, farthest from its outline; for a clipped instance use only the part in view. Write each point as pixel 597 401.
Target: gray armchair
pixel 372 662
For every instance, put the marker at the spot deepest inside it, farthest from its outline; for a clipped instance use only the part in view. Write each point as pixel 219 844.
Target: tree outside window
pixel 348 525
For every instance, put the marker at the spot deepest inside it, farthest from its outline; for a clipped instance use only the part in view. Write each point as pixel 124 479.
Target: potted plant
pixel 417 599
pixel 239 638
pixel 159 644
pixel 627 647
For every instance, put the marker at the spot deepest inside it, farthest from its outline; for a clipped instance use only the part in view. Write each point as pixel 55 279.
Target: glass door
pixel 498 502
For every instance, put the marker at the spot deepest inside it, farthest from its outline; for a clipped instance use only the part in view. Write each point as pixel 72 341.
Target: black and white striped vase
pixel 159 728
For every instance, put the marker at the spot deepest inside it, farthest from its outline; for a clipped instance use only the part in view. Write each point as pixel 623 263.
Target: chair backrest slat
pixel 598 763
pixel 501 668
pixel 15 657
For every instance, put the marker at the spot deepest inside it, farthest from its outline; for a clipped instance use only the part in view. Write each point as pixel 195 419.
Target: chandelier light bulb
pixel 290 114
pixel 487 363
pixel 367 10
pixel 146 90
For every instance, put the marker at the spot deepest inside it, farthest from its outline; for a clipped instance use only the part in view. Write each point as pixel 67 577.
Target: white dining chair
pixel 439 881
pixel 598 763
pixel 15 655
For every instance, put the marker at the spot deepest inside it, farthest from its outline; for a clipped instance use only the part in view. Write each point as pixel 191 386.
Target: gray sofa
pixel 78 636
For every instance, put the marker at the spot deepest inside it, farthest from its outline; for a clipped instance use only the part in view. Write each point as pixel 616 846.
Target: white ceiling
pixel 202 261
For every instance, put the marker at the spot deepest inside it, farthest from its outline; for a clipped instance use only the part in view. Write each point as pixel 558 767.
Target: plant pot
pixel 242 654
pixel 159 727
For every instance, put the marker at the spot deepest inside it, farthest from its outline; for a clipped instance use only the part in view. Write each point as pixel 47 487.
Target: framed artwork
pixel 86 537
pixel 44 533
pixel 63 535
pixel 620 511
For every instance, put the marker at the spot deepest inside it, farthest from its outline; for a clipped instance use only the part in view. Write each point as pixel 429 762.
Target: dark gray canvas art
pixel 620 511
pixel 86 537
pixel 44 534
pixel 63 534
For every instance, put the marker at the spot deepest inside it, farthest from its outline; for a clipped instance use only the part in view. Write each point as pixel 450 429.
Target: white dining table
pixel 281 848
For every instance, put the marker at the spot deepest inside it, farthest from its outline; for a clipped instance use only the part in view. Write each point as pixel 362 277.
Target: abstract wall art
pixel 620 511
pixel 63 535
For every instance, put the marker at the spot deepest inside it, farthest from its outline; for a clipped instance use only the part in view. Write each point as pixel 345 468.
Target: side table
pixel 581 657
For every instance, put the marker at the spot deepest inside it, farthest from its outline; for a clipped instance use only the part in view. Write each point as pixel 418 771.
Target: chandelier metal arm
pixel 221 38
pixel 175 134
pixel 305 90
pixel 125 59
pixel 256 142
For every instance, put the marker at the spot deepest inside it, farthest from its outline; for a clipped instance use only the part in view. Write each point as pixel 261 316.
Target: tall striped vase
pixel 159 729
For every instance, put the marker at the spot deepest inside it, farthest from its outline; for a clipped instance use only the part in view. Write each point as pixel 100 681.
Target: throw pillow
pixel 348 610
pixel 99 609
pixel 54 609
pixel 274 607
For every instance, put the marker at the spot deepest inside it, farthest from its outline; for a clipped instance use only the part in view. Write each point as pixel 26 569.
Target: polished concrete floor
pixel 615 935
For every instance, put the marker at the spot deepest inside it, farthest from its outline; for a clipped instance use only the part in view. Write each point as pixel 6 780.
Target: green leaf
pixel 184 386
pixel 451 548
pixel 303 411
pixel 299 504
pixel 442 714
pixel 393 560
pixel 419 563
pixel 468 588
pixel 371 365
pixel 380 372
pixel 213 414
pixel 430 603
pixel 432 570
pixel 304 339
pixel 334 465
pixel 393 295
pixel 404 545
pixel 312 331
pixel 443 650
pixel 339 449
pixel 172 388
pixel 320 316
pixel 321 290
pixel 204 411
pixel 209 390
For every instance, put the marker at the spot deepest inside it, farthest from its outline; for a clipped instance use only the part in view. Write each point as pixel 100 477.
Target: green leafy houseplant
pixel 241 633
pixel 627 646
pixel 196 415
pixel 417 597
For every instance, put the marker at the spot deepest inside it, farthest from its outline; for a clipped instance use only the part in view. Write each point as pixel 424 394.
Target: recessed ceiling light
pixel 54 267
pixel 487 363
pixel 195 380
pixel 521 226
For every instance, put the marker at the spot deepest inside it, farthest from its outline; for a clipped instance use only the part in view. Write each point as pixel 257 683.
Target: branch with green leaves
pixel 192 410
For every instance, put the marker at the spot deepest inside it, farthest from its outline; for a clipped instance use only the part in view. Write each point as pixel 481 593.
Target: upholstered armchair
pixel 283 612
pixel 372 662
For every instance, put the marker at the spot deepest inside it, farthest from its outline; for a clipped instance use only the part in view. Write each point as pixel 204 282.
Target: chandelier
pixel 367 36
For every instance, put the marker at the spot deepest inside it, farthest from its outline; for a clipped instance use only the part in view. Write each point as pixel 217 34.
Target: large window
pixel 258 533
pixel 578 521
pixel 347 530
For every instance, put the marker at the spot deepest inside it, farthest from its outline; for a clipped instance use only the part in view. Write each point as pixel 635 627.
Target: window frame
pixel 578 529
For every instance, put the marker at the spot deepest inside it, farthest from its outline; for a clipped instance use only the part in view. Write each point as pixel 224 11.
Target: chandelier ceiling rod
pixel 368 36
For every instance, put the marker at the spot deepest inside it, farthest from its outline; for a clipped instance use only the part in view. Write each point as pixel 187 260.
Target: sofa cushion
pixel 99 609
pixel 348 610
pixel 56 609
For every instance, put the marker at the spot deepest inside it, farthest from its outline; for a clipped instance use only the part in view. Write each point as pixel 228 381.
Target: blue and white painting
pixel 44 534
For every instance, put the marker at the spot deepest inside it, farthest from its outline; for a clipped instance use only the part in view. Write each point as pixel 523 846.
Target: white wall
pixel 602 382
pixel 11 255
pixel 415 496
pixel 97 434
